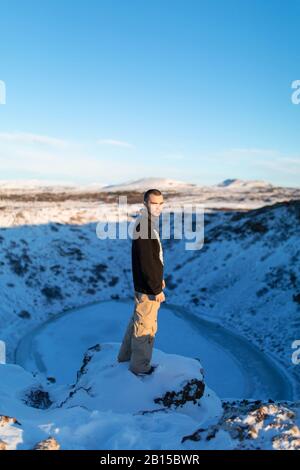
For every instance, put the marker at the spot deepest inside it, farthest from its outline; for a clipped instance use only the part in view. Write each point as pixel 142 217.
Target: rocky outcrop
pixel 256 425
pixel 86 359
pixel 3 445
pixel 186 387
pixel 37 398
pixel 5 420
pixel 47 444
pixel 192 391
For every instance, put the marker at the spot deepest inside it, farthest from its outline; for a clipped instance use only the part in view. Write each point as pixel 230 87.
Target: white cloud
pixel 290 166
pixel 28 138
pixel 41 156
pixel 174 156
pixel 245 152
pixel 115 143
pixel 261 158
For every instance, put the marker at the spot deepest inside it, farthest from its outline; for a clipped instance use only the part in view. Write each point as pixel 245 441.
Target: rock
pixel 3 445
pixel 252 432
pixel 87 358
pixel 4 420
pixel 51 380
pixel 47 444
pixel 254 424
pixel 24 314
pixel 295 431
pixel 192 391
pixel 37 398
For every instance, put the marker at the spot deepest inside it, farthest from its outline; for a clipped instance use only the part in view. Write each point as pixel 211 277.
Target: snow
pixel 244 281
pixel 108 407
pixel 35 186
pixel 244 184
pixel 164 184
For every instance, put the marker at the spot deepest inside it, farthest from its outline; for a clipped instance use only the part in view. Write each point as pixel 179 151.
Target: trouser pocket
pixel 145 316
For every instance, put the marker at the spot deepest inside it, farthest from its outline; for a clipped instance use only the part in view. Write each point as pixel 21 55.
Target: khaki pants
pixel 137 345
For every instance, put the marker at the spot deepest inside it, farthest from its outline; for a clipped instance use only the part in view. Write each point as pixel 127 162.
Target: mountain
pixel 163 184
pixel 36 185
pixel 244 184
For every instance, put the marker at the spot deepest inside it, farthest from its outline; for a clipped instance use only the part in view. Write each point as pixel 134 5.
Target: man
pixel 147 271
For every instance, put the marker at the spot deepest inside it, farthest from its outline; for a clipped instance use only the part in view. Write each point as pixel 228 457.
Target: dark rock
pixel 37 398
pixel 192 391
pixel 24 314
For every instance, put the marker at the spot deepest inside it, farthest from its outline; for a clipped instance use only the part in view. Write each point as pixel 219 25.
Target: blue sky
pixel 112 90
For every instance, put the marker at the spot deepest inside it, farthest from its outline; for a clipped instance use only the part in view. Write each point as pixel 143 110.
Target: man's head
pixel 153 200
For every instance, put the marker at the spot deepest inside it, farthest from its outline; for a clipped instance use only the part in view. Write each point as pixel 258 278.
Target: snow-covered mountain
pixel 35 185
pixel 139 185
pixel 24 205
pixel 163 184
pixel 244 184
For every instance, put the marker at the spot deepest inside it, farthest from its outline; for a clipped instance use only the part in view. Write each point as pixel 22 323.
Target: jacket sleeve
pixel 149 267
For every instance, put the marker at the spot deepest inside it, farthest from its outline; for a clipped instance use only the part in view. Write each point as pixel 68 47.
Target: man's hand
pixel 163 284
pixel 160 297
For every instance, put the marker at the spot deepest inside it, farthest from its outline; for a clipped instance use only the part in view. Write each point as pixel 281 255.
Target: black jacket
pixel 147 268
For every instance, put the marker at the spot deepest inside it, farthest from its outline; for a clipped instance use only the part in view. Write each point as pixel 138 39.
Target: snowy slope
pixel 164 184
pixel 107 407
pixel 244 184
pixel 246 276
pixel 35 185
pixel 32 205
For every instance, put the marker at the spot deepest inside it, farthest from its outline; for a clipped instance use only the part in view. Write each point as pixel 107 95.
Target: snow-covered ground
pixel 107 407
pixel 34 203
pixel 245 278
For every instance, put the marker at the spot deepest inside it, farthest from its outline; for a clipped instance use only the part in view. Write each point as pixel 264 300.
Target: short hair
pixel 156 192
